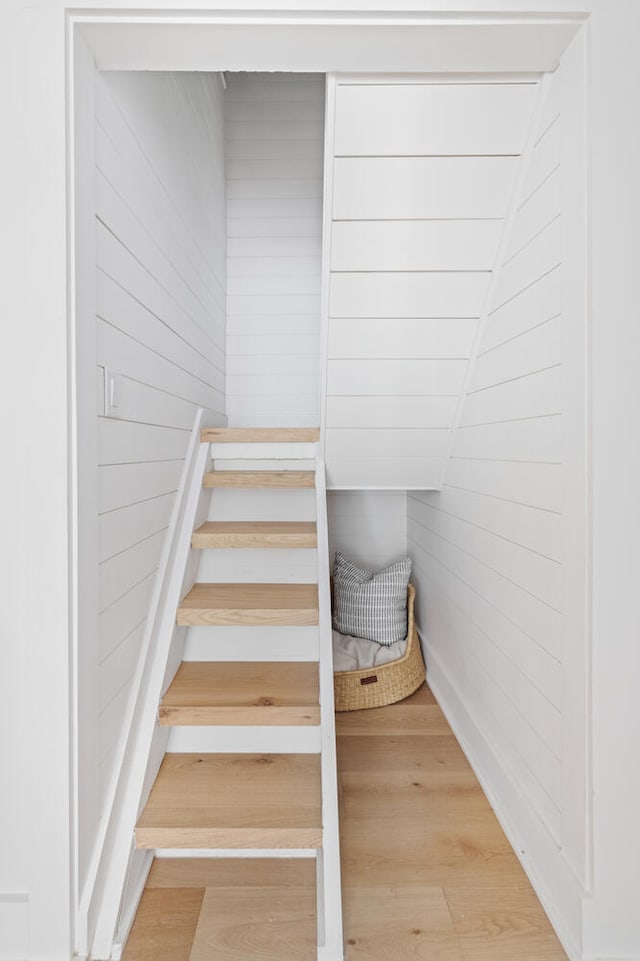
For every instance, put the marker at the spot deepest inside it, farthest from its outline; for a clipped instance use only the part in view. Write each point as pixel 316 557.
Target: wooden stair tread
pixel 223 534
pixel 260 478
pixel 227 692
pixel 249 604
pixel 234 801
pixel 260 435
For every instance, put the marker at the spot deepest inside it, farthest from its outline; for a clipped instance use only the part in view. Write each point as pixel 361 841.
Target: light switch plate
pixel 112 389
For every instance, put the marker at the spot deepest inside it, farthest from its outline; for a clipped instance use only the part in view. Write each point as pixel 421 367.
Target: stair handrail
pixel 104 895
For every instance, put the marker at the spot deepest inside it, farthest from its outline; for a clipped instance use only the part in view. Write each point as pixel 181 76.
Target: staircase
pixel 250 763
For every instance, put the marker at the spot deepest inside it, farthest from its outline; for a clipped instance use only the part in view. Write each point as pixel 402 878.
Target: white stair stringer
pixel 275 643
pixel 330 933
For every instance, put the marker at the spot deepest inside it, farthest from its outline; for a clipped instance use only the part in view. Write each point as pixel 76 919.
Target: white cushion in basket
pixel 356 653
pixel 371 605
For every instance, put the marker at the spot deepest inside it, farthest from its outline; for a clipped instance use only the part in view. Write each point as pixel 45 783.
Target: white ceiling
pixel 327 43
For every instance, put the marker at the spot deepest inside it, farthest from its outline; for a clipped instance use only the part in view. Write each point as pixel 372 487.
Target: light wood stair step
pixel 237 801
pixel 260 435
pixel 260 478
pixel 255 534
pixel 235 693
pixel 249 604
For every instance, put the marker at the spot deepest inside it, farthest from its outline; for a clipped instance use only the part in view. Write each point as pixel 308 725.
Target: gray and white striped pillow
pixel 368 604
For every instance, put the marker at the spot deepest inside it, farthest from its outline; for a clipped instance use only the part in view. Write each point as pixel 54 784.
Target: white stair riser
pixel 244 739
pixel 257 504
pixel 262 463
pixel 275 452
pixel 283 565
pixel 235 852
pixel 252 643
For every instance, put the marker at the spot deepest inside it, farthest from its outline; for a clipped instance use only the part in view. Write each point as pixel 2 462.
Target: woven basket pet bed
pixel 386 683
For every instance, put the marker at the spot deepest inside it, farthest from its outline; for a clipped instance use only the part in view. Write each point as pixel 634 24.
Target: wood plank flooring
pixel 427 874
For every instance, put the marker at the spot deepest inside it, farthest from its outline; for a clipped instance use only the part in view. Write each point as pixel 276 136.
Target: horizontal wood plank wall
pixel 491 551
pixel 274 163
pixel 368 527
pixel 160 227
pixel 422 175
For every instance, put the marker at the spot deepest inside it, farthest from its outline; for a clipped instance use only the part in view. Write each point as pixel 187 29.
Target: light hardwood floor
pixel 428 874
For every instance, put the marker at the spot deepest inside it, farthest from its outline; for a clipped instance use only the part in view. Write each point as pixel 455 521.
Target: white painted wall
pixel 368 527
pixel 421 175
pixel 160 329
pixel 274 163
pixel 500 553
pixel 35 508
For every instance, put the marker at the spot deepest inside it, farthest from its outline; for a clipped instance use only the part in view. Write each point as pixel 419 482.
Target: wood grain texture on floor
pixel 427 872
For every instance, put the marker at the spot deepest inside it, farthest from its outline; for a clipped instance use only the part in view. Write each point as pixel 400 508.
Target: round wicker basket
pixel 387 683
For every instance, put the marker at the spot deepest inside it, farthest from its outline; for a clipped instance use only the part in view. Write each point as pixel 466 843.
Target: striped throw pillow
pixel 368 604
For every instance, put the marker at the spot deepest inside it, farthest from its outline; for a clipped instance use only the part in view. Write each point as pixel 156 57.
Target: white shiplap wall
pixel 274 158
pixel 368 527
pixel 160 237
pixel 422 172
pixel 499 553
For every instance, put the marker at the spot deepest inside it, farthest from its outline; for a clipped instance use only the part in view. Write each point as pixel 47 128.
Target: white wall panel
pixel 529 614
pixel 395 441
pixel 532 439
pixel 536 303
pixel 274 165
pixel 404 473
pixel 514 561
pixel 122 484
pixel 121 571
pixel 534 350
pixel 499 552
pixel 120 529
pixel 121 617
pixel 396 412
pixel 538 485
pixel 119 663
pixel 160 299
pixel 537 257
pixel 383 294
pixel 368 527
pixel 414 244
pixel 430 187
pixel 539 210
pixel 538 394
pixel 295 324
pixel 545 160
pixel 395 338
pixel 422 177
pixel 380 378
pixel 432 118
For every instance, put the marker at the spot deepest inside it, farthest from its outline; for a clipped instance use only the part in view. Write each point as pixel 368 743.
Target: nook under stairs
pixel 249 769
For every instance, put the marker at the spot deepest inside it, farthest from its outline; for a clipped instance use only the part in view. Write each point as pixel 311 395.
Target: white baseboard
pixel 553 881
pixel 131 900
